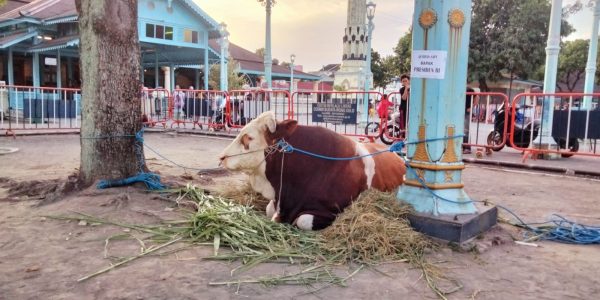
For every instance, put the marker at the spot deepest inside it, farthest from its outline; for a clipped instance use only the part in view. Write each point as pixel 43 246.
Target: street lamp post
pixel 590 69
pixel 268 4
pixel 292 58
pixel 370 15
pixel 544 139
pixel 224 52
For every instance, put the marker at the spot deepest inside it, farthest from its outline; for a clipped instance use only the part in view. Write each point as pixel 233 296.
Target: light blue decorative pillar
pixel 268 58
pixel 438 83
pixel 206 69
pixel 224 43
pixel 58 70
pixel 70 79
pixel 156 75
pixel 544 139
pixel 36 69
pixel 590 69
pixel 11 75
pixel 173 79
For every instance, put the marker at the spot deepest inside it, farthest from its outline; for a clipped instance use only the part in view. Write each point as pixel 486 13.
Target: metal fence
pixel 575 130
pixel 36 108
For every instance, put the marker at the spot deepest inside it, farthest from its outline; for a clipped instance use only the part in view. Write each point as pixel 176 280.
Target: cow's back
pixel 389 169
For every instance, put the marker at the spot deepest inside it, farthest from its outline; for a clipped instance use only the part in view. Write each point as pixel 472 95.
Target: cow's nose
pixel 222 160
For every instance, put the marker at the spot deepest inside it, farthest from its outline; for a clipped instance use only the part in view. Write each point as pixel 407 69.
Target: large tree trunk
pixel 109 60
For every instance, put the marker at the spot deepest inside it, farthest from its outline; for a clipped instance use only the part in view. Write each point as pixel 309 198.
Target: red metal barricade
pixel 156 106
pixel 206 109
pixel 245 105
pixel 39 108
pixel 358 111
pixel 575 129
pixel 485 125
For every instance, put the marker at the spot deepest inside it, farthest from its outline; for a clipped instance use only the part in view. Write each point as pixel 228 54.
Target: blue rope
pixel 559 230
pixel 151 180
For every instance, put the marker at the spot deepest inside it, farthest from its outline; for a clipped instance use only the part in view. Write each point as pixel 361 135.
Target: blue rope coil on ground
pixel 560 229
pixel 151 180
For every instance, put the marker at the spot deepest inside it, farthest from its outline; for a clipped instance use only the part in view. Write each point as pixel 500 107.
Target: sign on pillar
pixel 438 85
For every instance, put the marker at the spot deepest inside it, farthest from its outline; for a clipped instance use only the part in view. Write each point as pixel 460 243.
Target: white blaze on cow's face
pixel 246 152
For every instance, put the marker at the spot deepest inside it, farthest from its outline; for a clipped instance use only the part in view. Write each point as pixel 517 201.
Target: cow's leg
pixel 313 222
pixel 271 209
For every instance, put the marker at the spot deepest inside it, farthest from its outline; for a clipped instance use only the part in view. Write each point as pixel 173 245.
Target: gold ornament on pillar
pixel 456 18
pixel 450 154
pixel 428 18
pixel 421 151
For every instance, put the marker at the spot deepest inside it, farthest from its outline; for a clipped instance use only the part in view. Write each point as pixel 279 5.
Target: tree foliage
pixel 260 52
pixel 403 53
pixel 234 80
pixel 508 37
pixel 572 63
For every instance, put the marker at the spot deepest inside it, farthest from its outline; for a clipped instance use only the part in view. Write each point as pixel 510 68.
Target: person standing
pixel 468 103
pixel 178 102
pixel 404 98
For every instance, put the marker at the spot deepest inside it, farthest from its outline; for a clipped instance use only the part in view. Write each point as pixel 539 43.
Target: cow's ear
pixel 271 124
pixel 285 128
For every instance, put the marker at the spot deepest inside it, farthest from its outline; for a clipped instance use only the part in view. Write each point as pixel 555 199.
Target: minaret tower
pixel 351 75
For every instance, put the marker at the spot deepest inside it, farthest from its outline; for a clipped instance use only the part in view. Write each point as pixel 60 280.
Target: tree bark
pixel 110 109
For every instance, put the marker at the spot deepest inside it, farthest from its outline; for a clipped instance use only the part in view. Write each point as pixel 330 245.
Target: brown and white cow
pixel 307 191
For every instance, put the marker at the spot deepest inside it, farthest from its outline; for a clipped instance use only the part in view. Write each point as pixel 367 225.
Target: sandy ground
pixel 43 258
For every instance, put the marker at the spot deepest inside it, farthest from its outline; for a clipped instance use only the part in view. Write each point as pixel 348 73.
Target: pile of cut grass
pixel 373 230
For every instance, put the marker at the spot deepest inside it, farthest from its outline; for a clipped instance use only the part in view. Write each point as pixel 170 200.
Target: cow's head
pixel 247 151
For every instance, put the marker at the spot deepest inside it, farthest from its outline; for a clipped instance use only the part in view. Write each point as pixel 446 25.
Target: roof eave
pixel 71 43
pixel 61 20
pixel 213 24
pixel 10 22
pixel 18 40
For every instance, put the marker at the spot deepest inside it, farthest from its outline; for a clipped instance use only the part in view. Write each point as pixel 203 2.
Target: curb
pixel 549 169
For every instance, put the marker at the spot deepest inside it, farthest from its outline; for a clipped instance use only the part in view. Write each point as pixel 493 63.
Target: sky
pixel 313 29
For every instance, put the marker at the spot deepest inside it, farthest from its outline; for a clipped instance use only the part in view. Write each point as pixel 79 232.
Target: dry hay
pixel 245 196
pixel 374 229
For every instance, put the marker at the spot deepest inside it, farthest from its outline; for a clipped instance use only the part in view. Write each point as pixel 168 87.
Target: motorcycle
pixel 389 131
pixel 526 130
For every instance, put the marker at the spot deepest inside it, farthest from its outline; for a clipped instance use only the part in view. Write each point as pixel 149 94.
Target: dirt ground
pixel 41 257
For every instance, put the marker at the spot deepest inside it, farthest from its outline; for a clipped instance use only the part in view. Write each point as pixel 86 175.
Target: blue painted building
pixel 39 43
pixel 178 44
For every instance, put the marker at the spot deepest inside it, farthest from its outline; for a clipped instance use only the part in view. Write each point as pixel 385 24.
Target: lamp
pixel 268 4
pixel 370 15
pixel 224 52
pixel 371 10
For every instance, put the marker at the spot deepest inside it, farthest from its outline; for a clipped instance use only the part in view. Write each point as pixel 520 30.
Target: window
pixel 160 32
pixel 190 36
pixel 150 30
pixel 168 33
